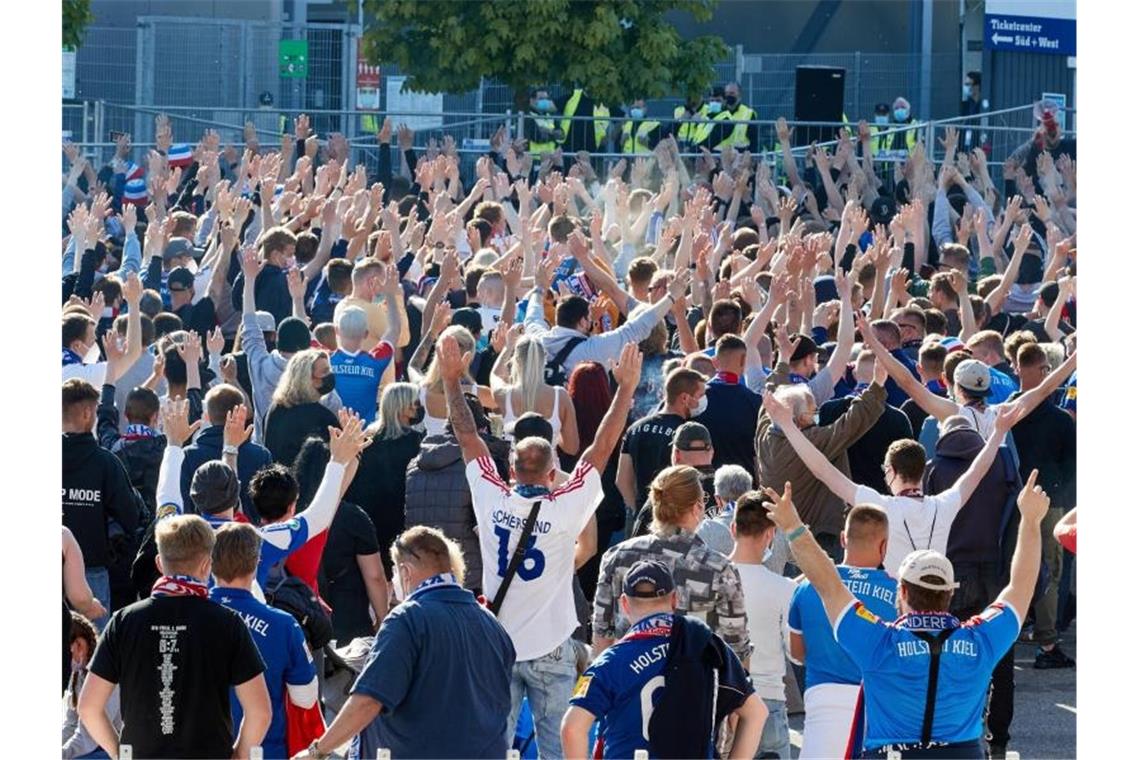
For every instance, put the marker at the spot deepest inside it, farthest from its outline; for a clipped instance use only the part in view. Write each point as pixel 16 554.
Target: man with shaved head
pixel 527 533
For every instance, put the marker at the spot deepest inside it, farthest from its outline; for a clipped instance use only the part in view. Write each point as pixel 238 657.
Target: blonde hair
pixel 433 381
pixel 673 493
pixel 395 398
pixel 429 549
pixel 296 384
pixel 528 372
pixel 183 542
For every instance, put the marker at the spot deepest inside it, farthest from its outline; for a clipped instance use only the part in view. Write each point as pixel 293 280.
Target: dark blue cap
pixel 648 571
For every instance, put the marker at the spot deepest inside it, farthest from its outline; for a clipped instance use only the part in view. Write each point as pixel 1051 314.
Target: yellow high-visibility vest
pixel 685 131
pixel 369 124
pixel 738 138
pixel 639 143
pixel 601 118
pixel 538 149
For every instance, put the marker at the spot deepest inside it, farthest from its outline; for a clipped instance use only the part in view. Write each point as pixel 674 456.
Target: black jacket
pixel 379 486
pixel 141 456
pixel 96 491
pixel 866 454
pixel 1047 440
pixel 270 291
pixel 683 723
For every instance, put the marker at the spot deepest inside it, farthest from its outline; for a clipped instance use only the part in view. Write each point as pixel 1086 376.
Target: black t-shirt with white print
pixel 175 660
pixel 649 442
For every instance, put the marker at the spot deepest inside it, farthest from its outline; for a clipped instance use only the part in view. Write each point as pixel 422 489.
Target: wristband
pixel 228 449
pixel 797 533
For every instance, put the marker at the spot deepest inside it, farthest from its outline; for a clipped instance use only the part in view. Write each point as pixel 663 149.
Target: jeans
pixel 979 585
pixel 547 683
pixel 1045 611
pixel 775 742
pixel 100 582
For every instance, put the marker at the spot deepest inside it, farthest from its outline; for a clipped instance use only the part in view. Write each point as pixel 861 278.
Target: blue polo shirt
pixel 358 377
pixel 622 681
pixel 825 661
pixel 281 643
pixel 1002 386
pixel 439 654
pixel 895 664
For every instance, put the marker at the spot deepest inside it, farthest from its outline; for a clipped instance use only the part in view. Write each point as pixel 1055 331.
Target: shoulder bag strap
pixel 564 354
pixel 935 642
pixel 516 558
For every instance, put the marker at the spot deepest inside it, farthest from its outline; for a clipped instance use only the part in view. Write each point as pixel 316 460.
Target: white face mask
pixel 92 354
pixel 397 583
pixel 965 91
pixel 699 409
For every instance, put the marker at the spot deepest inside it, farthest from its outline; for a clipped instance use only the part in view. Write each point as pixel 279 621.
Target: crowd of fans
pixel 384 460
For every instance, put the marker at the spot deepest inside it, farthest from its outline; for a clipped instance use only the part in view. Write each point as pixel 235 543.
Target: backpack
pixel 554 373
pixel 289 593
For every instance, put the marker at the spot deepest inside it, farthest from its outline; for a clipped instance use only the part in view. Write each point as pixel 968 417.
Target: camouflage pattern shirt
pixel 708 586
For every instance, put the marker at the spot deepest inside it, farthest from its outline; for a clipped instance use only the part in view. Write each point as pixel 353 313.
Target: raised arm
pixel 627 372
pixel 393 295
pixel 1034 504
pixel 1029 401
pixel 965 307
pixel 816 565
pixel 936 406
pixel 1066 287
pixel 1020 245
pixel 838 483
pixel 845 339
pixel 452 366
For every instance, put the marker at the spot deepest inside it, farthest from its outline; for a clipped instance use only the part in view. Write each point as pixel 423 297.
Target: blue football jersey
pixel 623 685
pixel 896 665
pixel 358 377
pixel 826 662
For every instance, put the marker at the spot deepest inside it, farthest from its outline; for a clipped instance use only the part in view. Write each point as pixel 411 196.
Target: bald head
pixel 533 461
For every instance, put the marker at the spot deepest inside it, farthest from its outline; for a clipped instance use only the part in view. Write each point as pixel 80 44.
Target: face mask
pixel 544 104
pixel 767 554
pixel 965 91
pixel 637 113
pixel 714 106
pixel 901 114
pixel 328 384
pixel 397 583
pixel 731 100
pixel 815 419
pixel 91 356
pixel 418 416
pixel 882 118
pixel 699 409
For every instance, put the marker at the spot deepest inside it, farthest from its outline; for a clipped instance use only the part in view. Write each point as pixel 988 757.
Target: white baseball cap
pixel 926 562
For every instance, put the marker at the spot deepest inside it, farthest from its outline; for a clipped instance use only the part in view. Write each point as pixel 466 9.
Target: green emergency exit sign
pixel 293 58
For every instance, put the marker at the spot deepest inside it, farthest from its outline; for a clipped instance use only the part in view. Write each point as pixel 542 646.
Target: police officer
pixel 925 676
pixel 700 134
pixel 540 130
pixel 973 104
pixel 583 134
pixel 639 134
pixel 643 692
pixel 903 140
pixel 691 109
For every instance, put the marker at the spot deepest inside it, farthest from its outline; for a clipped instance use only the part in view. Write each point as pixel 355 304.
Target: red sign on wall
pixel 367 83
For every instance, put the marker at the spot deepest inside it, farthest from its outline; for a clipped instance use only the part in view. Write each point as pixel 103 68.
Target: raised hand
pixel 347 441
pixel 783 509
pixel 627 371
pixel 1032 501
pixel 215 341
pixel 235 432
pixel 295 281
pixel 250 262
pixel 452 363
pixel 176 422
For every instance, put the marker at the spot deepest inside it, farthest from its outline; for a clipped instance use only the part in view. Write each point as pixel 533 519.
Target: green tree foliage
pixel 617 49
pixel 76 16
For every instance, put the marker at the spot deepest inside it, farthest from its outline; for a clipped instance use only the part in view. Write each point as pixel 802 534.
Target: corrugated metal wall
pixel 1013 79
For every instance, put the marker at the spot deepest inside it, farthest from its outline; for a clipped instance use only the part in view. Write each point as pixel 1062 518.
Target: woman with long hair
pixel 77 742
pixel 296 412
pixel 589 390
pixel 431 395
pixel 523 389
pixel 379 486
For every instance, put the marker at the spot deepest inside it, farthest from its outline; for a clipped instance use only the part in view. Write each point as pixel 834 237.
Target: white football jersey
pixel 538 611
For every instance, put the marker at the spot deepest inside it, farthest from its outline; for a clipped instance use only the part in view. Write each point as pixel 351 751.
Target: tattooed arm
pixel 452 366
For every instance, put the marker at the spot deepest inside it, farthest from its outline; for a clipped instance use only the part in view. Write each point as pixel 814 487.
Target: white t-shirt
pixel 93 373
pixel 538 611
pixel 915 523
pixel 767 597
pixel 981 420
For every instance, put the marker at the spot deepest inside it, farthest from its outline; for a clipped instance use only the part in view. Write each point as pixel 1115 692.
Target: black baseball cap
pixel 806 348
pixel 883 209
pixel 648 572
pixel 882 108
pixel 293 335
pixel 692 436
